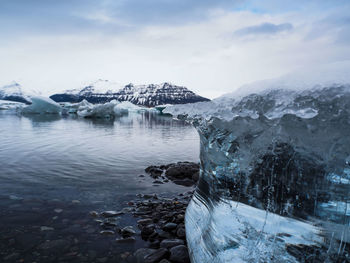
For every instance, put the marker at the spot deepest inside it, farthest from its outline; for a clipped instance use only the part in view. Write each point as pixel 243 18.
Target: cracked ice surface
pixel 275 160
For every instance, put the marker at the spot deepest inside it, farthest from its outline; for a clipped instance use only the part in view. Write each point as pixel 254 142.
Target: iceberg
pixel 88 110
pixel 106 110
pixel 274 182
pixel 42 105
pixel 70 108
pixel 11 105
pixel 126 107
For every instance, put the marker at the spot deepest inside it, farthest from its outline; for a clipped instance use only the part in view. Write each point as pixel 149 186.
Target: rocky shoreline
pixel 160 221
pixel 160 225
pixel 143 228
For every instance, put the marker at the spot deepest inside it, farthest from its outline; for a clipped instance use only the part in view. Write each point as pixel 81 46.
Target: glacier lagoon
pixel 275 176
pixel 55 169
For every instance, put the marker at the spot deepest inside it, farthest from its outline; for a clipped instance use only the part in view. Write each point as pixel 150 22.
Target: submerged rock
pixel 181 173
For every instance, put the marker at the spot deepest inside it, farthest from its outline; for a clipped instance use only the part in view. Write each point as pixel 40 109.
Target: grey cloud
pixel 264 29
pixel 71 15
pixel 335 26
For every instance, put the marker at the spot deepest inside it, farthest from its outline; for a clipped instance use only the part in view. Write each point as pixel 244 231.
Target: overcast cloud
pixel 212 47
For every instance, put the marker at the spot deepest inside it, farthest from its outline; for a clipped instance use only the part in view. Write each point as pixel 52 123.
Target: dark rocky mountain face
pixel 146 95
pixel 13 92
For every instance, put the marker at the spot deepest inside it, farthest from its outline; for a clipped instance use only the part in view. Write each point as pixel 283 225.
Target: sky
pixel 210 46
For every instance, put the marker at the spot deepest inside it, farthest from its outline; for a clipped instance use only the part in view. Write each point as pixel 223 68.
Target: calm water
pixel 46 162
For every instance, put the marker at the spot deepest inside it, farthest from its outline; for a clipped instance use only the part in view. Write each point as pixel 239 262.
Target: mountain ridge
pixel 14 92
pixel 150 95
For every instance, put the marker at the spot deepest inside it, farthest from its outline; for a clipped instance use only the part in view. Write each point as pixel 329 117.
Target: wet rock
pixel 164 235
pixel 154 171
pixel 58 210
pixel 157 255
pixel 179 254
pixel 182 170
pixel 184 182
pixel 195 176
pixel 169 243
pixel 125 240
pixel 75 202
pixel 182 173
pixel 127 209
pixel 181 232
pixel 111 213
pixel 145 221
pixel 154 244
pixel 94 214
pixel 141 253
pixel 180 217
pixel 164 261
pixel 127 231
pixel 169 226
pixel 148 196
pixel 107 232
pixel 108 224
pixel 147 230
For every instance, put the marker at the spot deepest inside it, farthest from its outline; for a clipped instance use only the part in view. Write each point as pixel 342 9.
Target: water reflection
pixel 51 151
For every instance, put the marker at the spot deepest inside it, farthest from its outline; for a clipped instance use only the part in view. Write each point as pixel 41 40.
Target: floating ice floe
pixel 69 108
pixel 42 105
pixel 82 109
pixel 126 106
pixel 97 111
pixel 107 110
pixel 11 105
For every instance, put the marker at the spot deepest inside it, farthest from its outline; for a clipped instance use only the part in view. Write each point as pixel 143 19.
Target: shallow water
pixel 78 165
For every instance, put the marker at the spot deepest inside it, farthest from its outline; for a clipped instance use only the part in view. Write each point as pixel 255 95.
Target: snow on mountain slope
pixel 14 92
pixel 100 86
pixel 103 91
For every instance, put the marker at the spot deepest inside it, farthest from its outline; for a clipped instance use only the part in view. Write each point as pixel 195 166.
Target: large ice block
pixel 275 175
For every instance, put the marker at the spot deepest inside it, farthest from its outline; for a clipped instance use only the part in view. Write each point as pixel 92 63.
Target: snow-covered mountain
pixel 13 92
pixel 103 91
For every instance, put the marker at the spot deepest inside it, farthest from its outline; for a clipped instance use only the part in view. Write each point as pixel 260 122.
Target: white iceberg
pixel 125 107
pixel 11 105
pixel 73 107
pixel 274 174
pixel 42 105
pixel 88 110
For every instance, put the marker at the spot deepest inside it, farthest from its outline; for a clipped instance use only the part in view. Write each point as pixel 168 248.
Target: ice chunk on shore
pixel 274 174
pixel 242 233
pixel 42 105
